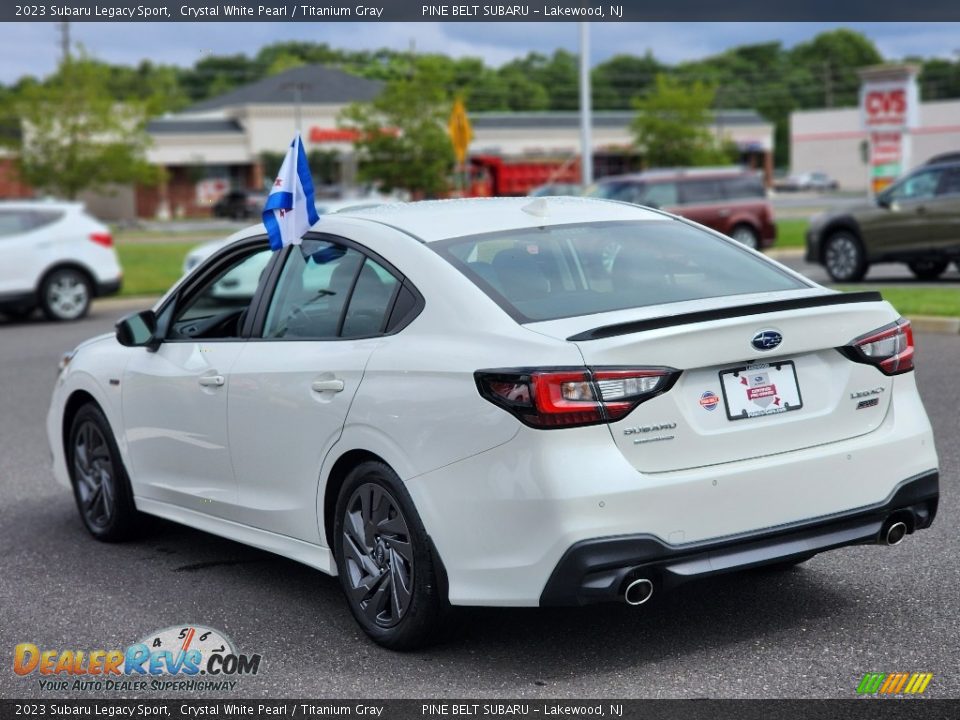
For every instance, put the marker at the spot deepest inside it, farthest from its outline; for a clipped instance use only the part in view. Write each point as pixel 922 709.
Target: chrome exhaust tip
pixel 638 592
pixel 895 533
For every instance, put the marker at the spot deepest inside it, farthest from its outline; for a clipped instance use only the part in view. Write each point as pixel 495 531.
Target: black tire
pixel 928 268
pixel 395 595
pixel 746 235
pixel 844 257
pixel 101 486
pixel 66 294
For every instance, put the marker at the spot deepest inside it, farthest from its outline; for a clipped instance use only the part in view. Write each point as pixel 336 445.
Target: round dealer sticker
pixel 709 400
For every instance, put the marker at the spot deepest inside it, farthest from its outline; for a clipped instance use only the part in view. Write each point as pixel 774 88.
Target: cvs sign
pixel 889 105
pixel 886 107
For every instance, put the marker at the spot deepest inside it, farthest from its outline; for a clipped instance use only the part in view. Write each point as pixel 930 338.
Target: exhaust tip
pixel 895 533
pixel 638 592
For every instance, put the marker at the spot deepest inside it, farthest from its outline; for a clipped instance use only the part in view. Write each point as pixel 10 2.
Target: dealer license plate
pixel 761 389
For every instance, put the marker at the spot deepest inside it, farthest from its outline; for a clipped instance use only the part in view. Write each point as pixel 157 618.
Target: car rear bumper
pixel 599 570
pixel 109 287
pixel 503 520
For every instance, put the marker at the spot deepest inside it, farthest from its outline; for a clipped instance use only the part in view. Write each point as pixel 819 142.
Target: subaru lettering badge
pixel 766 340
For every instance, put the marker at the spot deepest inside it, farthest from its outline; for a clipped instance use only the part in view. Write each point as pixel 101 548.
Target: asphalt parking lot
pixel 810 632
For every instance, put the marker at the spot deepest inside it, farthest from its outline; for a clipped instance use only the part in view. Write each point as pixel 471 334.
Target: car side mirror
pixel 138 330
pixel 885 201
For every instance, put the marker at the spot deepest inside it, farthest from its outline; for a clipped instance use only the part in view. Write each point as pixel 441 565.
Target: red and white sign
pixel 890 105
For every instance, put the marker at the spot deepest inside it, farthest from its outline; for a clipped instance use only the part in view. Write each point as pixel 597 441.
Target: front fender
pixel 95 371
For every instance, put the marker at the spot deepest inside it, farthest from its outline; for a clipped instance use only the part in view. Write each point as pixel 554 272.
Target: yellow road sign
pixel 460 131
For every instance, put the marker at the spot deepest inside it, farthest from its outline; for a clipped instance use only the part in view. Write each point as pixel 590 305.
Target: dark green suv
pixel 915 221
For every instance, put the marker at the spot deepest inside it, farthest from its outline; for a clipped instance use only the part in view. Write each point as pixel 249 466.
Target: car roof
pixel 432 220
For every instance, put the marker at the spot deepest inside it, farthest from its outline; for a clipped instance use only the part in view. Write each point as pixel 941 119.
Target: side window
pixel 660 195
pixel 13 222
pixel 313 291
pixel 700 192
pixel 743 187
pixel 949 182
pixel 329 291
pixel 916 187
pixel 371 300
pixel 625 192
pixel 216 309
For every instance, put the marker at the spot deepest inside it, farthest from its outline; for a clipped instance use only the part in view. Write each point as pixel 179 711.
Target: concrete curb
pixel 934 324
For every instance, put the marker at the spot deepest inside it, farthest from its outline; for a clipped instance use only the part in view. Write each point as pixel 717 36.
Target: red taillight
pixel 570 397
pixel 889 348
pixel 100 238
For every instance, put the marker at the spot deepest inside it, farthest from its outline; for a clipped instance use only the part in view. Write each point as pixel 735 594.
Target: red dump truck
pixel 494 176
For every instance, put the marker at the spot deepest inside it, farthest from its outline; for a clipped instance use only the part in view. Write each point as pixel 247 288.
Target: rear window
pixel 571 270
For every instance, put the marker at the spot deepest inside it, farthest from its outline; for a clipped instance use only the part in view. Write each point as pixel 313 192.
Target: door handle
pixel 327 386
pixel 724 212
pixel 211 381
pixel 921 209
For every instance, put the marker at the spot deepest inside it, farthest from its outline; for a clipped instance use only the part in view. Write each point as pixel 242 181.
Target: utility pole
pixel 298 88
pixel 586 122
pixel 65 42
pixel 827 84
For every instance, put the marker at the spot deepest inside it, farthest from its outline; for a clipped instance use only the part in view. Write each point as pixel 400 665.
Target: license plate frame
pixel 760 387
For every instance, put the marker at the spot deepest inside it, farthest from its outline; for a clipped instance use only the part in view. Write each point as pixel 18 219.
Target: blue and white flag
pixel 290 209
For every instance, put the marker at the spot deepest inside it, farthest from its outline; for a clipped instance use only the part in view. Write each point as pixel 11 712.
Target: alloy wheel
pixel 94 475
pixel 67 296
pixel 746 236
pixel 378 555
pixel 842 257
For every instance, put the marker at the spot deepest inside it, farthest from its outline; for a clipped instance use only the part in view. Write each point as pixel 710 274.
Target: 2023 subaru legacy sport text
pixel 502 402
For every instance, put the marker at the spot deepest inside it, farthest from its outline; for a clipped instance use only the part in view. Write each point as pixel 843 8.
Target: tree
pixel 672 125
pixel 833 59
pixel 622 78
pixel 402 141
pixel 77 136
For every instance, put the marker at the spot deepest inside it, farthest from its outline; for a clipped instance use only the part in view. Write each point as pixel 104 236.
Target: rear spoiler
pixel 635 326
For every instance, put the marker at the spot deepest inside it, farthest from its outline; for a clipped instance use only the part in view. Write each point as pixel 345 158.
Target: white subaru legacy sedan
pixel 503 402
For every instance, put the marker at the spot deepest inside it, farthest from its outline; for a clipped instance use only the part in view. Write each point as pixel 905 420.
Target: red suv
pixel 733 202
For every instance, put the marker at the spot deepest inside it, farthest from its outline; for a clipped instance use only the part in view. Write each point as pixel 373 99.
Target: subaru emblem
pixel 766 340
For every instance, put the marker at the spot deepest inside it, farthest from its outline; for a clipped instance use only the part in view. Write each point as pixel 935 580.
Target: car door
pixel 908 222
pixel 946 208
pixel 292 387
pixel 175 398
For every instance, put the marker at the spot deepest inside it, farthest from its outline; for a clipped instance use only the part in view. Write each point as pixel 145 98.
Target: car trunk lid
pixel 733 400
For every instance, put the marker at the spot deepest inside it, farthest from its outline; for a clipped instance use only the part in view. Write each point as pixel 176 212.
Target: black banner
pixel 223 709
pixel 308 11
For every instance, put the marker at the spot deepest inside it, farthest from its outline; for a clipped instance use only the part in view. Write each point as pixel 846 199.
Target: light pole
pixel 586 144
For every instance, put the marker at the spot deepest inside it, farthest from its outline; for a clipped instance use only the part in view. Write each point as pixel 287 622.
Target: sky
pixel 33 48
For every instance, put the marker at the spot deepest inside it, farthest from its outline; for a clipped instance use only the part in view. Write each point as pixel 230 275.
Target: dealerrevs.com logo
pixel 183 658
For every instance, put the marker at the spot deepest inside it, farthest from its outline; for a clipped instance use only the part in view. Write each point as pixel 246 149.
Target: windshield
pixel 571 270
pixel 625 190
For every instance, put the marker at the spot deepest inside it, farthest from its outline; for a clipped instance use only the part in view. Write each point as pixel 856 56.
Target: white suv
pixel 53 255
